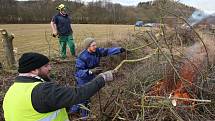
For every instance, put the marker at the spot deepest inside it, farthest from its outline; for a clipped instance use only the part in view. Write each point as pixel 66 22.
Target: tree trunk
pixel 7 40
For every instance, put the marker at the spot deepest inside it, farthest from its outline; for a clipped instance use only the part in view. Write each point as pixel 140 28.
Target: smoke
pixel 198 52
pixel 197 17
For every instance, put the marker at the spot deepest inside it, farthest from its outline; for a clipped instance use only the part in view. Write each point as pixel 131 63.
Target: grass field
pixel 35 37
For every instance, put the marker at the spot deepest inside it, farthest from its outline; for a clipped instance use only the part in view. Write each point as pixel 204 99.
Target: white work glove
pixel 108 75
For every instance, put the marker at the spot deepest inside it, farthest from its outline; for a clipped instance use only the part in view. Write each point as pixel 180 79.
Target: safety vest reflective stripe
pixel 52 116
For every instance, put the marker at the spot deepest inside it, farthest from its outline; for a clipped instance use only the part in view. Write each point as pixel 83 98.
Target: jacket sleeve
pixel 109 51
pixel 49 96
pixel 82 70
pixel 54 19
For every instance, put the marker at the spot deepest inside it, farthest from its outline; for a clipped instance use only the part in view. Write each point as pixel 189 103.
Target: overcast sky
pixel 205 5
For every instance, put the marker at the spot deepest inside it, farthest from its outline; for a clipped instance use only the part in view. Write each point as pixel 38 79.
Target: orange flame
pixel 188 74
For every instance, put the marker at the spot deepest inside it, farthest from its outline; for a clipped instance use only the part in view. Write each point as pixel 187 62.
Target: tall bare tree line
pixel 99 12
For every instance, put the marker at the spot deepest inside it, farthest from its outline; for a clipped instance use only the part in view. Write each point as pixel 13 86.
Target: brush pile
pixel 176 83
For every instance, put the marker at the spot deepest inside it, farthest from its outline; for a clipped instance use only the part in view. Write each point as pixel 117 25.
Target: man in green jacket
pixel 33 96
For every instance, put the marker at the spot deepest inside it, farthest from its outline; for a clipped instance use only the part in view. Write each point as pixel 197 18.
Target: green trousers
pixel 66 40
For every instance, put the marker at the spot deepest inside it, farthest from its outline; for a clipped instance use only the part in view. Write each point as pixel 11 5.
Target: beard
pixel 45 77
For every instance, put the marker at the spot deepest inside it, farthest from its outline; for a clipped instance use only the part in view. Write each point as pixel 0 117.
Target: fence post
pixel 7 40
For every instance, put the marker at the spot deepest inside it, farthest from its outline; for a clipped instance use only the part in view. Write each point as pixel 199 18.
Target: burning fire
pixel 188 73
pixel 189 70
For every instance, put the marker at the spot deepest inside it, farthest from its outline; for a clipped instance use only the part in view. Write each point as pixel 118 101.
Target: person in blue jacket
pixel 87 66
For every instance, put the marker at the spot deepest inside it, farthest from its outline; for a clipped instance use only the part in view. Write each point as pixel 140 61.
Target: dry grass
pixel 31 37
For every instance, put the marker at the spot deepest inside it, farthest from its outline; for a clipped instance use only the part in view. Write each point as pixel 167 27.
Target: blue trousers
pixel 77 108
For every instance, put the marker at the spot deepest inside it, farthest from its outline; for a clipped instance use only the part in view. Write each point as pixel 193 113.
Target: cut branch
pixel 135 60
pixel 177 98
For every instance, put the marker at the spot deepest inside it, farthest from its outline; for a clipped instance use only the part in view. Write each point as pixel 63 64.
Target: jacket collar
pixel 60 14
pixel 25 79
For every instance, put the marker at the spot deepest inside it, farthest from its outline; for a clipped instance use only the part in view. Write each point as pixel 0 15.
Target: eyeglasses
pixel 92 45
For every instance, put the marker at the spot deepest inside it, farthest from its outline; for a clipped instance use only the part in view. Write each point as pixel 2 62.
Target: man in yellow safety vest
pixel 34 97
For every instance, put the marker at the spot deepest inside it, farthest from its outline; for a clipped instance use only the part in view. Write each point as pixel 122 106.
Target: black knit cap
pixel 30 61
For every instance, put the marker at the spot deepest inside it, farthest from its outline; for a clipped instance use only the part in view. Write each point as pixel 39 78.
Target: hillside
pixel 152 11
pixel 100 12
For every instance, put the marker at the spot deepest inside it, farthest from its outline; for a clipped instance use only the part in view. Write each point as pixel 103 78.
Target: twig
pixel 135 60
pixel 177 98
pixel 195 33
pixel 176 115
pixel 168 59
pixel 193 65
pixel 109 101
pixel 121 108
pixel 116 114
pixel 49 45
pixel 142 106
pixel 100 104
pixel 140 47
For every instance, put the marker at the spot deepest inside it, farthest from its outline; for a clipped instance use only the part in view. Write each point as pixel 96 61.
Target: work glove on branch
pixel 108 75
pixel 124 50
pixel 96 70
